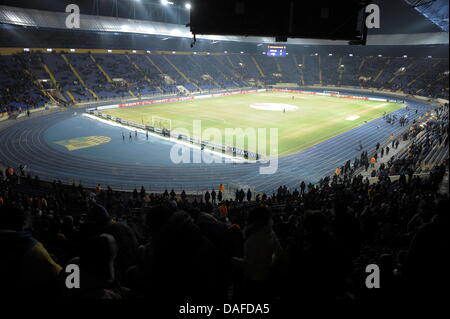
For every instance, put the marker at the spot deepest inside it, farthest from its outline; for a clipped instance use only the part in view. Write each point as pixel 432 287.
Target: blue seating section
pixel 151 74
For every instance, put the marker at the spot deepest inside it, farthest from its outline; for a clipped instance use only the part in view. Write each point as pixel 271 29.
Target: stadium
pixel 128 129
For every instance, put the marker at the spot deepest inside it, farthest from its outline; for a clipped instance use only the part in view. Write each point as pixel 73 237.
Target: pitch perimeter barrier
pixel 219 149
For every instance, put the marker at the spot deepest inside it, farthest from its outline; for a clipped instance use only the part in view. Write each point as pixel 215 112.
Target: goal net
pixel 331 92
pixel 161 122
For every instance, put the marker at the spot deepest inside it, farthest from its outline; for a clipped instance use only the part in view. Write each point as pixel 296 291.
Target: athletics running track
pixel 30 143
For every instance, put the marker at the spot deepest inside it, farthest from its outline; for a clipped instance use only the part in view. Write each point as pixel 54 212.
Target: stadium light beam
pixel 188 6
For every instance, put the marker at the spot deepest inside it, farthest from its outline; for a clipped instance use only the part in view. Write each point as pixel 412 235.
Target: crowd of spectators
pixel 307 245
pixel 18 91
pixel 428 144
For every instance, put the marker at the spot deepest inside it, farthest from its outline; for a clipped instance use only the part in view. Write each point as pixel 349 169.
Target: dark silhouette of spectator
pixel 97 271
pixel 26 268
pixel 213 196
pixel 427 262
pixel 261 250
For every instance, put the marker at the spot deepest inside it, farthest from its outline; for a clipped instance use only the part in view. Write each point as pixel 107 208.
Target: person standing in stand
pixel 213 196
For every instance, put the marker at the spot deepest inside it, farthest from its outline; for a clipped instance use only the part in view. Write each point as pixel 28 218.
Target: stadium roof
pixel 418 32
pixel 434 10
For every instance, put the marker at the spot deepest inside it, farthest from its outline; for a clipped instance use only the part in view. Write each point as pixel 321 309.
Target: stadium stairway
pixel 235 76
pixel 340 72
pixel 197 71
pixel 219 75
pixel 207 69
pixel 132 94
pixel 51 75
pixel 107 77
pixel 300 69
pixel 70 95
pixel 397 74
pixel 139 70
pixel 320 72
pixel 181 73
pixel 361 64
pixel 50 96
pixel 416 79
pixel 278 66
pixel 154 64
pixel 229 61
pixel 237 71
pixel 147 57
pixel 258 67
pixel 381 72
pixel 78 76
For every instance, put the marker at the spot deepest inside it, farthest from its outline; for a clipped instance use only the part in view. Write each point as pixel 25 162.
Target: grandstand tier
pixel 72 77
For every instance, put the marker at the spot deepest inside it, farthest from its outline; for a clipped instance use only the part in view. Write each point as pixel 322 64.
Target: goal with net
pixel 161 122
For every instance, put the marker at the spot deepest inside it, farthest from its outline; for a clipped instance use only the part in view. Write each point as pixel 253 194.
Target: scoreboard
pixel 276 50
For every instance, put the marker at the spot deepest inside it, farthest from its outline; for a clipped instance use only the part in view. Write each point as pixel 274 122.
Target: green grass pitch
pixel 317 118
